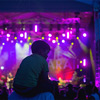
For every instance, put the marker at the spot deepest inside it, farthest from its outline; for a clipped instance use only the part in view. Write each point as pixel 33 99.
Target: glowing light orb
pixel 53 41
pixel 63 35
pixel 63 41
pixel 21 35
pixel 8 35
pixel 50 35
pixel 2 67
pixel 3 43
pixel 84 34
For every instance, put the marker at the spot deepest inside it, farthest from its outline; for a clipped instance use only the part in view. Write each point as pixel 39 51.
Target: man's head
pixel 40 47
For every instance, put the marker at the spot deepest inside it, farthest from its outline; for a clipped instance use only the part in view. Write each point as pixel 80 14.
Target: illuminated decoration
pixel 63 35
pixel 84 62
pixel 72 43
pixel 53 41
pixel 77 38
pixel 80 70
pixel 29 38
pixel 81 62
pixel 84 34
pixel 30 43
pixel 2 67
pixel 15 38
pixel 12 41
pixel 63 41
pixel 43 38
pixel 3 43
pixel 67 35
pixel 8 35
pixel 50 35
pixel 21 35
pixel 7 39
pixel 35 28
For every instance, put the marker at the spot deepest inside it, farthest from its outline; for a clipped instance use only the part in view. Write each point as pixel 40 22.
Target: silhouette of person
pixel 32 76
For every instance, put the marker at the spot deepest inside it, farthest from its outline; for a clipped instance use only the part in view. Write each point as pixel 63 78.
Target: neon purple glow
pixel 63 41
pixel 2 32
pixel 63 35
pixel 84 62
pixel 7 39
pixel 77 66
pixel 8 35
pixel 21 35
pixel 84 79
pixel 70 32
pixel 84 34
pixel 12 41
pixel 67 35
pixel 50 35
pixel 25 35
pixel 53 41
pixel 35 28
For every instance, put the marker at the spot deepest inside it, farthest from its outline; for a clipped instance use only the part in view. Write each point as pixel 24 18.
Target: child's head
pixel 40 47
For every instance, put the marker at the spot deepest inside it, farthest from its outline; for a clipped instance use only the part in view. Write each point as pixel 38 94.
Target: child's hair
pixel 38 46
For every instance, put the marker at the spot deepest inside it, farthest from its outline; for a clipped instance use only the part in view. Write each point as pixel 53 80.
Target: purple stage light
pixel 58 43
pixel 84 34
pixel 12 41
pixel 2 32
pixel 8 35
pixel 49 39
pixel 21 35
pixel 53 41
pixel 2 67
pixel 35 28
pixel 25 35
pixel 70 32
pixel 63 41
pixel 21 41
pixel 67 35
pixel 63 35
pixel 84 79
pixel 84 62
pixel 3 43
pixel 50 35
pixel 7 39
